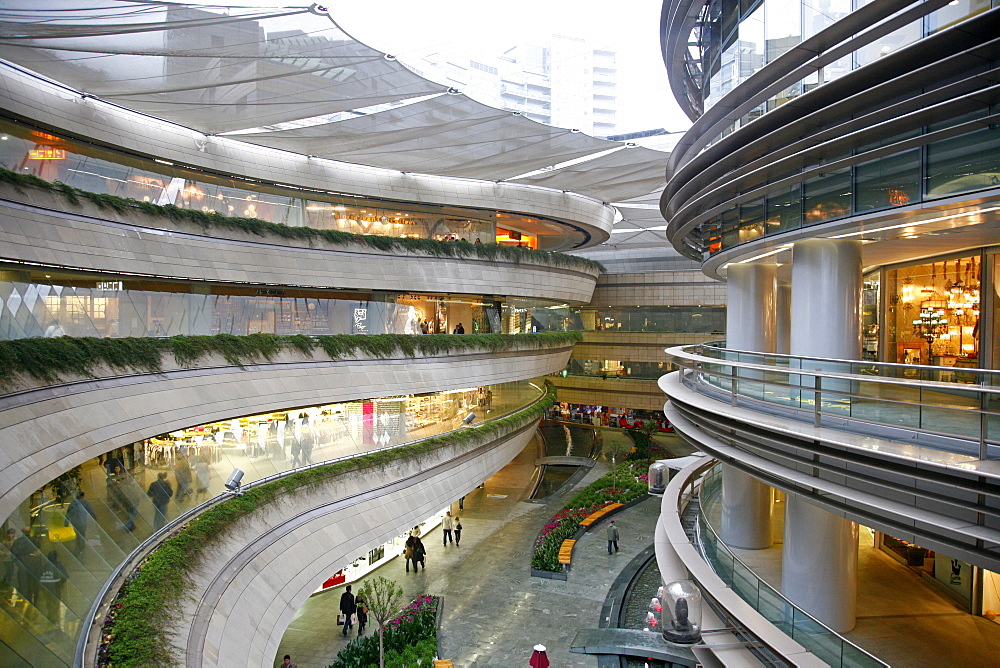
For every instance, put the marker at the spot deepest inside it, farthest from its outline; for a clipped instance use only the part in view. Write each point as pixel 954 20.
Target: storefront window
pixel 60 546
pixel 54 158
pixel 934 315
pixel 870 317
pixel 888 182
pixel 671 319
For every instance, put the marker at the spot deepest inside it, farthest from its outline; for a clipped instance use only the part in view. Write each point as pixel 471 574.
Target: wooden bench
pixel 443 663
pixel 596 516
pixel 566 551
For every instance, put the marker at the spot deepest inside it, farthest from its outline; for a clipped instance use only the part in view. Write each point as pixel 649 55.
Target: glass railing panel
pixel 774 608
pixel 822 642
pixel 745 584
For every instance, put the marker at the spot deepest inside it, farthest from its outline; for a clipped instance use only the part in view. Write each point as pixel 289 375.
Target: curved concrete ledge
pixel 250 585
pixel 940 500
pixel 88 119
pixel 678 559
pixel 46 431
pixel 40 227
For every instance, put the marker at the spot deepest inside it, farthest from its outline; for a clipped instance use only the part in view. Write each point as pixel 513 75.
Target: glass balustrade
pixel 765 599
pixel 961 410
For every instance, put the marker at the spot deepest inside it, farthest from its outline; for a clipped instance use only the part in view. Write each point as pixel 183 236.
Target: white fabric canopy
pixel 292 79
pixel 450 135
pixel 627 173
pixel 205 70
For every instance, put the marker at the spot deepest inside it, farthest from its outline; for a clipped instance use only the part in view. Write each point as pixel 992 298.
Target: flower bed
pixel 607 489
pixel 409 637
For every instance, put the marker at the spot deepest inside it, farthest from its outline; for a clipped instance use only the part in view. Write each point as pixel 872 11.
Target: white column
pixel 783 319
pixel 750 325
pixel 826 299
pixel 750 307
pixel 819 567
pixel 820 552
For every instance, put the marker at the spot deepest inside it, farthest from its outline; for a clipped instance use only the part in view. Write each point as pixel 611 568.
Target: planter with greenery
pixel 47 360
pixel 410 635
pixel 262 228
pixel 145 612
pixel 622 485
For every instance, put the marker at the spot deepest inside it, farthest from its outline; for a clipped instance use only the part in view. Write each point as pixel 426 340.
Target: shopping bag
pixel 341 619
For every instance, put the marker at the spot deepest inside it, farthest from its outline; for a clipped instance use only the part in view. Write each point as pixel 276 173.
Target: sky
pixel 482 29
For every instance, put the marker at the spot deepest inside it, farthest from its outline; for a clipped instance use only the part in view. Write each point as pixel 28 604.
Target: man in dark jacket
pixel 347 607
pixel 78 514
pixel 160 492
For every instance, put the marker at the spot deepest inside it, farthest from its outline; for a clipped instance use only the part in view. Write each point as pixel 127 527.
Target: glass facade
pixel 35 304
pixel 665 319
pixel 739 38
pixel 27 150
pixel 961 164
pixel 59 547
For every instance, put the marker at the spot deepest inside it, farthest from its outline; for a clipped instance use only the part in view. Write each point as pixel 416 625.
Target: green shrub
pixel 48 360
pixel 144 613
pixel 206 221
pixel 608 489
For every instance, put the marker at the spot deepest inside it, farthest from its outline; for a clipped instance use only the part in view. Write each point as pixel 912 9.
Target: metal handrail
pixel 715 472
pixel 980 415
pixel 83 641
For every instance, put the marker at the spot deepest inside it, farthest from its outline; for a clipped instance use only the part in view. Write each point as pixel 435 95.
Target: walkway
pixel 494 611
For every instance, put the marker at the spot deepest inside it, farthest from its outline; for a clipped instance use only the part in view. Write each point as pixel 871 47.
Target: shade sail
pixel 290 78
pixel 450 135
pixel 630 172
pixel 204 70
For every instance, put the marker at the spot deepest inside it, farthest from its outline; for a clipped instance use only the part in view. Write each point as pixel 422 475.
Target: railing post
pixel 817 397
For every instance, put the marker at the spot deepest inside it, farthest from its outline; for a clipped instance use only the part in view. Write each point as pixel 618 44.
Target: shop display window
pixel 934 310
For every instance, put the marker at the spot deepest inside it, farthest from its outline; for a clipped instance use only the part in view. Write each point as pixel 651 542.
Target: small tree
pixel 616 448
pixel 383 598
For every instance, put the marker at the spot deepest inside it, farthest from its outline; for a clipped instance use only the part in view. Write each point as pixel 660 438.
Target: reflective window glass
pixel 783 210
pixel 827 197
pixel 961 164
pixel 783 28
pixel 888 182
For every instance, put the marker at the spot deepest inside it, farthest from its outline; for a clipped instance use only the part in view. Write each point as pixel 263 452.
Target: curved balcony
pixel 40 227
pixel 909 450
pixel 241 601
pixel 53 427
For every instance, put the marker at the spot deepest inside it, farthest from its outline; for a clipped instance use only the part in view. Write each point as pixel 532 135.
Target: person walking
pixel 459 330
pixel 419 551
pixel 362 607
pixel 160 492
pixel 447 526
pixel 458 531
pixel 78 515
pixel 612 536
pixel 347 608
pixel 53 576
pixel 408 549
pixel 287 662
pixel 182 473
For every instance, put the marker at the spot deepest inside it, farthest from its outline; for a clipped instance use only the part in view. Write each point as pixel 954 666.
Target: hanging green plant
pixel 209 220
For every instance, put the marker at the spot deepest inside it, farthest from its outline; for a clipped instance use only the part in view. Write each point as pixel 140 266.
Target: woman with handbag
pixel 362 607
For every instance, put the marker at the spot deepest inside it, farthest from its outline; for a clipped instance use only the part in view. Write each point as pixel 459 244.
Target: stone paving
pixel 494 611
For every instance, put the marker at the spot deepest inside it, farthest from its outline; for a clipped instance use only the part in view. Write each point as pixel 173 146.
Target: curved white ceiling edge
pixel 33 98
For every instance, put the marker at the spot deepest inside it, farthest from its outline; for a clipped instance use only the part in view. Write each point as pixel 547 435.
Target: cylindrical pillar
pixel 783 319
pixel 746 510
pixel 750 325
pixel 750 295
pixel 819 567
pixel 820 552
pixel 826 299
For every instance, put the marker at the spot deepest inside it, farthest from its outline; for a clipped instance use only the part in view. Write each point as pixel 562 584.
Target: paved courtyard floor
pixel 494 611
